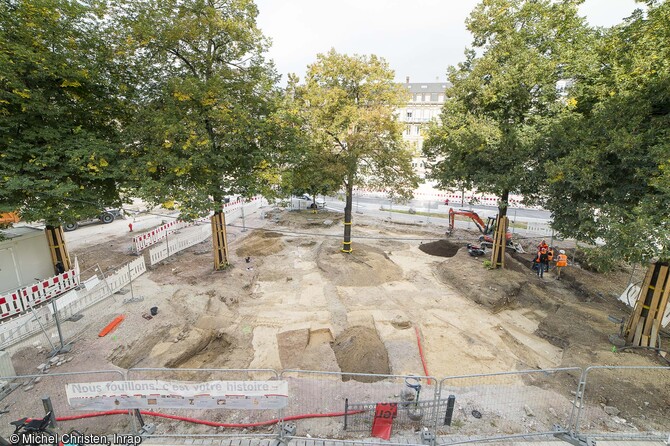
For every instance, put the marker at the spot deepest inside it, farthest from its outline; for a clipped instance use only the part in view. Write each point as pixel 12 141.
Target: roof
pixel 19 231
pixel 427 87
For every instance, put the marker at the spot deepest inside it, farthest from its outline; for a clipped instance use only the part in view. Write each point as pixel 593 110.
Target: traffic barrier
pixel 21 300
pixel 149 238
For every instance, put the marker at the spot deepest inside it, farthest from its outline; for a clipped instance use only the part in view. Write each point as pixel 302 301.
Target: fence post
pixel 49 408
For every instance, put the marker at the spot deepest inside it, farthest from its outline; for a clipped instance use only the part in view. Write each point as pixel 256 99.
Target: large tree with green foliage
pixel 348 104
pixel 504 88
pixel 608 170
pixel 59 135
pixel 207 120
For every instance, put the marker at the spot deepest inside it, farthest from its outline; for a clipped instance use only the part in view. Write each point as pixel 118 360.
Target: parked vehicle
pixel 320 203
pixel 107 216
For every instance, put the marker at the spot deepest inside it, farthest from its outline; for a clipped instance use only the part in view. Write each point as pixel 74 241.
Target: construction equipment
pixel 8 218
pixel 487 229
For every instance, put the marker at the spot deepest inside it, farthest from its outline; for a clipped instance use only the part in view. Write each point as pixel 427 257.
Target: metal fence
pixel 509 405
pixel 569 402
pixel 633 409
pixel 345 403
pixel 18 404
pixel 212 422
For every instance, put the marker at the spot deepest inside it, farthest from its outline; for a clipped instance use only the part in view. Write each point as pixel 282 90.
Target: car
pixel 106 216
pixel 320 202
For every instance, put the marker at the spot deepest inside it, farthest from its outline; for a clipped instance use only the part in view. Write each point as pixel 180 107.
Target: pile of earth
pixel 260 243
pixel 360 350
pixel 365 266
pixel 440 248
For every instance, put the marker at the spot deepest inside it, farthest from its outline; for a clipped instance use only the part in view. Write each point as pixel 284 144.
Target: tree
pixel 58 110
pixel 608 174
pixel 498 95
pixel 207 121
pixel 348 104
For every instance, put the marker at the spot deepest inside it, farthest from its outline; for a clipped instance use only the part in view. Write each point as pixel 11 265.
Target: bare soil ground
pixel 292 299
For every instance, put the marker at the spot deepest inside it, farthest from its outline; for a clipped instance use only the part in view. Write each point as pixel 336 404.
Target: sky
pixel 419 38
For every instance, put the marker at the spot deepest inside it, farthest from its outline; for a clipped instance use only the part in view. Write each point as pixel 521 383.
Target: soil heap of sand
pixel 359 350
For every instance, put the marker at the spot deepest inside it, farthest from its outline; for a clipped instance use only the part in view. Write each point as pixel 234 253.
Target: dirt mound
pixel 260 243
pixel 365 266
pixel 440 248
pixel 496 289
pixel 359 350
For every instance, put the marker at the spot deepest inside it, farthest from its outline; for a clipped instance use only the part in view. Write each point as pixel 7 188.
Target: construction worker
pixel 561 261
pixel 543 244
pixel 542 260
pixel 550 257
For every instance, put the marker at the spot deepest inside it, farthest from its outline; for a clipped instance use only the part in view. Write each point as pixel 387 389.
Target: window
pixel 440 98
pixel 416 130
pixel 407 130
pixel 418 98
pixel 427 97
pixel 409 115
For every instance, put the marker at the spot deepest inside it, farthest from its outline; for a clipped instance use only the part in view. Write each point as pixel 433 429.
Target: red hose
pixel 205 422
pixel 423 358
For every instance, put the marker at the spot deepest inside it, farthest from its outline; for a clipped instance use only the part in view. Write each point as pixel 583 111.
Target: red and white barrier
pixel 469 196
pixel 154 236
pixel 22 299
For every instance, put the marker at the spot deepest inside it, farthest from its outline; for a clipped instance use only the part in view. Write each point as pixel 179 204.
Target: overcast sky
pixel 419 38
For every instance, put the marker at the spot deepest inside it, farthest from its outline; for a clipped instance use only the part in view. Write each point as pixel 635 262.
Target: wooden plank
pixel 637 311
pixel 662 305
pixel 653 338
pixel 638 332
pixel 661 283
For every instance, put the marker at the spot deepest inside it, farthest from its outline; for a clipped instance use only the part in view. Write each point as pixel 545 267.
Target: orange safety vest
pixel 562 260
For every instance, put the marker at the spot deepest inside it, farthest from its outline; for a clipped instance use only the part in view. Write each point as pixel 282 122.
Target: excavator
pixel 487 229
pixel 8 218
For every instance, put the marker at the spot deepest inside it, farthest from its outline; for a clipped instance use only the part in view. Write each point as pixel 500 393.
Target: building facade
pixel 425 104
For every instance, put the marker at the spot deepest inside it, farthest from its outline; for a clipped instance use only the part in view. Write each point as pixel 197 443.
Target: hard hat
pixel 561 251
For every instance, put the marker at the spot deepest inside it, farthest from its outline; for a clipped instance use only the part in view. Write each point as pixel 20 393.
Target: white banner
pixel 178 394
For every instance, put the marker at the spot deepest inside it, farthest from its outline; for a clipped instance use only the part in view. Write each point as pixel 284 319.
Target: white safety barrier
pixel 21 300
pixel 539 227
pixel 32 322
pixel 178 243
pixel 154 236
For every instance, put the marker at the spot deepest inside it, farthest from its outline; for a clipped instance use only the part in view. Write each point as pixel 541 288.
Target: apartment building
pixel 424 105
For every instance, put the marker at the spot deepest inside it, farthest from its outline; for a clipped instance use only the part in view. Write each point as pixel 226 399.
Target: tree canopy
pixel 348 106
pixel 505 86
pixel 206 119
pixel 609 168
pixel 59 105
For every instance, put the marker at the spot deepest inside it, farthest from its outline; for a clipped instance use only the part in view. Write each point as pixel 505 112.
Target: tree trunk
pixel 346 245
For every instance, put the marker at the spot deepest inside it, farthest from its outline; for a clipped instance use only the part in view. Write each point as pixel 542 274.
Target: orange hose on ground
pixel 423 358
pixel 111 326
pixel 205 422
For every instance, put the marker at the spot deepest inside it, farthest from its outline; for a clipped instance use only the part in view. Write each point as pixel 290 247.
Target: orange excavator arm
pixel 473 215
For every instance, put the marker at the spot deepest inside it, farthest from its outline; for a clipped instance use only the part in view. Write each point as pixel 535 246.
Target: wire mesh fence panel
pixel 624 402
pixel 226 405
pixel 319 401
pixel 26 401
pixel 512 404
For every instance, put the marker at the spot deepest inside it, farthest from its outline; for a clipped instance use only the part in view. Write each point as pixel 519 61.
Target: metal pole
pixel 244 226
pixel 37 319
pixel 63 347
pixel 428 221
pixel 391 208
pixel 130 282
pixel 513 228
pixel 167 244
pixel 49 408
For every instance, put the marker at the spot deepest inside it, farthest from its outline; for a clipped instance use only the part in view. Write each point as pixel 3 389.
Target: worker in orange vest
pixel 550 258
pixel 561 261
pixel 542 262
